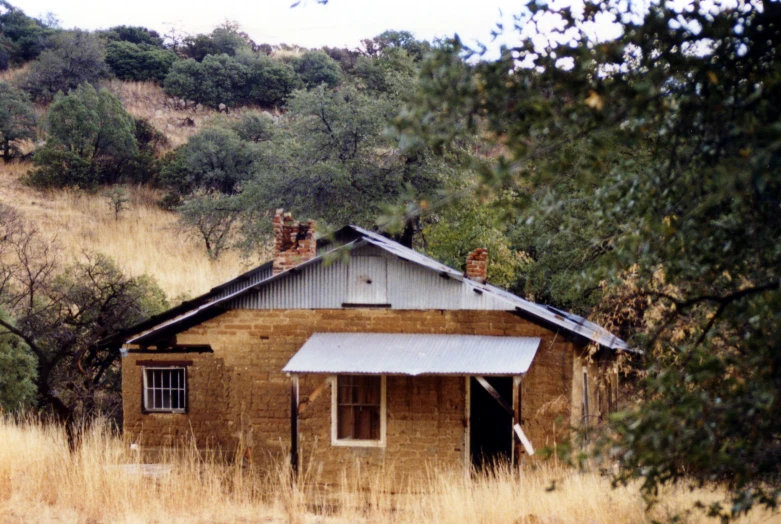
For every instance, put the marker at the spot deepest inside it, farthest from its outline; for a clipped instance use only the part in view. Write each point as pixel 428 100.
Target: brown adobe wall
pixel 240 388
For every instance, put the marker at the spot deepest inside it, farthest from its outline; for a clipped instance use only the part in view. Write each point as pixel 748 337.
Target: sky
pixel 339 23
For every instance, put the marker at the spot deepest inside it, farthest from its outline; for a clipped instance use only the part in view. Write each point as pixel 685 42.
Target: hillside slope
pixel 145 238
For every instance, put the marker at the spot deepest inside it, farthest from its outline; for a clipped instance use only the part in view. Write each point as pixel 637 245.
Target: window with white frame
pixel 358 410
pixel 165 389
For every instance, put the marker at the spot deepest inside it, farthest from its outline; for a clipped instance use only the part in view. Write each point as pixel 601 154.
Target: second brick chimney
pixel 294 242
pixel 477 265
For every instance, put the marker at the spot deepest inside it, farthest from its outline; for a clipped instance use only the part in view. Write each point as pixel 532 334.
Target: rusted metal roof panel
pixel 405 354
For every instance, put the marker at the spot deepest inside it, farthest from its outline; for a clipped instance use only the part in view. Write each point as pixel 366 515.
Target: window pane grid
pixel 358 407
pixel 165 389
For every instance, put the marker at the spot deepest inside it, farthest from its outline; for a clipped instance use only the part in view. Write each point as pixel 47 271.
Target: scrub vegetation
pixel 41 480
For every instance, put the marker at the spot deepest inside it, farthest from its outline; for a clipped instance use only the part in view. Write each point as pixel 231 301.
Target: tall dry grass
pixel 42 481
pixel 145 238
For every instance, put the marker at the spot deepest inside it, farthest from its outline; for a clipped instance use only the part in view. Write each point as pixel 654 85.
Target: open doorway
pixel 490 425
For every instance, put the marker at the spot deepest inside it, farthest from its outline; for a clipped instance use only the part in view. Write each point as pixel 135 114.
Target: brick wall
pixel 239 389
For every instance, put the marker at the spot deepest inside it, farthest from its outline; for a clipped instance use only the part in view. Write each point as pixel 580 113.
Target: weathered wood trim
pixel 294 404
pixel 313 396
pixel 164 363
pixel 490 389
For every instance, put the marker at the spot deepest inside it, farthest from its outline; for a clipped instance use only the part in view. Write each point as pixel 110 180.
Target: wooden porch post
pixel 516 458
pixel 294 425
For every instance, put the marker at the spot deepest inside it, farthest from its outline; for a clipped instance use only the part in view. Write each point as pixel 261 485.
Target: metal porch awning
pixel 413 354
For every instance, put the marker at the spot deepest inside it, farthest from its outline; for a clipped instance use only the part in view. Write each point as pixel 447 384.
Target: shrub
pixel 77 57
pixel 226 39
pixel 17 119
pixel 215 159
pixel 139 62
pixel 134 35
pixel 22 38
pixel 223 79
pixel 17 373
pixel 91 136
pixel 255 127
pixel 216 80
pixel 316 67
pixel 270 81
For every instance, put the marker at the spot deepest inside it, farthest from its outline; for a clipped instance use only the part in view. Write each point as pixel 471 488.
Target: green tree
pixel 133 34
pixel 22 38
pixel 330 160
pixel 62 312
pixel 450 234
pixel 316 67
pixel 17 373
pixel 17 118
pixel 255 127
pixel 75 57
pixel 139 62
pixel 227 39
pixel 698 219
pixel 392 40
pixel 210 217
pixel 214 159
pixel 218 79
pixel 269 81
pixel 90 135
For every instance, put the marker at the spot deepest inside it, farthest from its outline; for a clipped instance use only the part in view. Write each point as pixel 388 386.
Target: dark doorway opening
pixel 490 425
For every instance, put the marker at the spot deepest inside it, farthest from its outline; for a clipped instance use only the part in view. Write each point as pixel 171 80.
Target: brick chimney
pixel 294 242
pixel 477 265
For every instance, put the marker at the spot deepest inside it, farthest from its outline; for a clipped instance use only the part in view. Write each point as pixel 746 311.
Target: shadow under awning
pixel 413 354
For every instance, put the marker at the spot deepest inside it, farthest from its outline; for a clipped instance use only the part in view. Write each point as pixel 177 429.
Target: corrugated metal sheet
pixel 414 281
pixel 248 279
pixel 395 354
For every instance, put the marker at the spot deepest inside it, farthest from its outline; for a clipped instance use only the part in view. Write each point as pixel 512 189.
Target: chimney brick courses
pixel 477 265
pixel 294 242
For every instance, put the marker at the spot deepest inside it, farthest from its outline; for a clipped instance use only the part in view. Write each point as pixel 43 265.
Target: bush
pixel 139 62
pixel 17 118
pixel 214 81
pixel 222 79
pixel 77 57
pixel 17 373
pixel 270 81
pixel 255 127
pixel 22 38
pixel 226 39
pixel 91 137
pixel 316 67
pixel 215 159
pixel 134 35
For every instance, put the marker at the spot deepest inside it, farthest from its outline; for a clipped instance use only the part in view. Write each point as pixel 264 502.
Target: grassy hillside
pixel 145 239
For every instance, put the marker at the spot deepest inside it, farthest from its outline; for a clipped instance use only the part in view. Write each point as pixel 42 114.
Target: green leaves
pixel 17 118
pixel 89 134
pixel 646 175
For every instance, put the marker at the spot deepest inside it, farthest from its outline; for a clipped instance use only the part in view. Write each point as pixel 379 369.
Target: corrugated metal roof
pixel 405 354
pixel 567 320
pixel 301 294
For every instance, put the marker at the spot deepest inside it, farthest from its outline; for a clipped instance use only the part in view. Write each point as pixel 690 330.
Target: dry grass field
pixel 42 481
pixel 145 239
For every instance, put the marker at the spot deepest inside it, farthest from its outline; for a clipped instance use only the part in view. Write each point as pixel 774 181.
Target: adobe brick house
pixel 358 350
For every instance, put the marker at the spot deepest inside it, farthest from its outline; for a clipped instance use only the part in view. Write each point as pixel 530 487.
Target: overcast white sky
pixel 339 23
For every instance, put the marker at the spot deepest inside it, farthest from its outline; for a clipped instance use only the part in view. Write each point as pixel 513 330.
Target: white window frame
pixel 359 443
pixel 145 397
